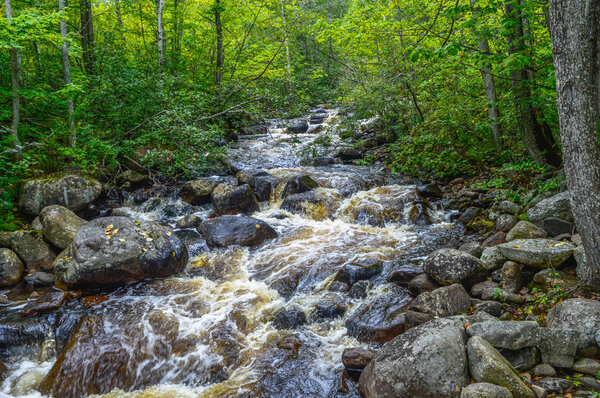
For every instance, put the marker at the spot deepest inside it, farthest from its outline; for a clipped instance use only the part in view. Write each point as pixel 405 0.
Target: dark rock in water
pixel 314 204
pixel 357 358
pixel 443 301
pixel 40 279
pixel 16 331
pixel 71 191
pixel 449 266
pixel 429 360
pixel 582 315
pixel 298 127
pixel 421 283
pixel 318 118
pixel 336 286
pixel 33 249
pixel 555 227
pixel 298 184
pixel 359 289
pixel 227 199
pixel 331 307
pixel 259 181
pixel 289 318
pixel 198 192
pixel 255 130
pixel 60 225
pixel 383 318
pixel 430 191
pixel 352 273
pixel 194 242
pixel 323 161
pixel 418 214
pixel 47 303
pixel 404 275
pixel 236 230
pixel 190 221
pixel 347 154
pixel 11 268
pixel 115 250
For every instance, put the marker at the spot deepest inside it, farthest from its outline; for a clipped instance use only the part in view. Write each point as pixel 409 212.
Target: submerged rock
pixel 47 303
pixel 297 184
pixel 316 204
pixel 289 318
pixel 60 225
pixel 236 230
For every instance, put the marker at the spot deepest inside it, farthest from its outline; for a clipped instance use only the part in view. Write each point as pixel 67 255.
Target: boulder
pixel 71 191
pixel 540 253
pixel 478 289
pixel 491 307
pixel 449 266
pixel 492 258
pixel 554 385
pixel 259 181
pixel 495 239
pixel 347 154
pixel 511 277
pixel 544 370
pixel 509 207
pixel 587 366
pixel 298 127
pixel 60 225
pixel 525 230
pixel 11 268
pixel 430 191
pixel 551 278
pixel 522 359
pixel 115 250
pixel 487 365
pixel 330 307
pixel 426 361
pixel 555 227
pixel 39 279
pixel 359 289
pixel 559 346
pixel 357 358
pixel 316 204
pixel 198 192
pixel 473 248
pixel 582 315
pixel 236 230
pixel 289 318
pixel 512 335
pixel 323 161
pixel 506 222
pixel 297 184
pixel 47 303
pixel 33 249
pixel 485 390
pixel 188 222
pixel 354 272
pixel 5 237
pixel 444 301
pixel 557 206
pixel 420 284
pixel 227 199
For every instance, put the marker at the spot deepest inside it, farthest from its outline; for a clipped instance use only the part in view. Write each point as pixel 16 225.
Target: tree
pixel 160 5
pixel 15 63
pixel 66 71
pixel 575 30
pixel 87 35
pixel 219 32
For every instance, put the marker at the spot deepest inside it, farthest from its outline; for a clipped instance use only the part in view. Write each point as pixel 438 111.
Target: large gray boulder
pixel 227 199
pixel 559 346
pixel 261 183
pixel 485 390
pixel 426 361
pixel 582 315
pixel 443 301
pixel 236 230
pixel 489 366
pixel 492 259
pixel 11 268
pixel 60 225
pixel 540 253
pixel 525 230
pixel 198 192
pixel 507 334
pixel 449 266
pixel 557 206
pixel 71 191
pixel 114 250
pixel 32 249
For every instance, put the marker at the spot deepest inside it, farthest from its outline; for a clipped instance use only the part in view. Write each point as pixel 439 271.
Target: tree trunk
pixel 87 35
pixel 15 64
pixel 120 20
pixel 160 5
pixel 219 32
pixel 67 73
pixel 490 90
pixel 575 30
pixel 539 140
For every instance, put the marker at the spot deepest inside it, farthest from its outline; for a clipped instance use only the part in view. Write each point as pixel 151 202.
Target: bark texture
pixel 67 72
pixel 15 64
pixel 87 35
pixel 575 30
pixel 219 32
pixel 160 5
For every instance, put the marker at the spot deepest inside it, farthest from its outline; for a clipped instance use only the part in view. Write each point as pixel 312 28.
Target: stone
pixel 426 361
pixel 347 154
pixel 495 239
pixel 189 222
pixel 227 231
pixel 506 222
pixel 475 249
pixel 60 225
pixel 557 206
pixel 49 302
pixel 11 268
pixel 582 315
pixel 298 127
pixel 538 391
pixel 587 366
pixel 430 191
pixel 558 346
pixel 403 275
pixel 5 238
pixel 35 224
pixel 511 277
pixel 260 182
pixel 131 179
pixel 480 287
pixel 317 204
pixel 509 207
pixel 525 230
pixel 511 335
pixel 357 358
pixel 289 318
pixel 485 390
pixel 492 259
pixel 544 370
pixel 359 289
pixel 114 250
pixel 420 284
pixel 540 253
pixel 40 279
pixel 227 199
pixel 198 192
pixel 330 307
pixel 522 359
pixel 33 250
pixel 352 273
pixel 444 301
pixel 71 191
pixel 555 227
pixel 589 383
pixel 551 278
pixel 487 365
pixel 502 296
pixel 554 385
pixel 491 307
pixel 323 161
pixel 298 184
pixel 449 266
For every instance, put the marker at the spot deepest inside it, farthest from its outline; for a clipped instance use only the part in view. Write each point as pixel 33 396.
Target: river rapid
pixel 208 332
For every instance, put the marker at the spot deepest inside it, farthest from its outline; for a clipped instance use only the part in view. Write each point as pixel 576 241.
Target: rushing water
pixel 207 331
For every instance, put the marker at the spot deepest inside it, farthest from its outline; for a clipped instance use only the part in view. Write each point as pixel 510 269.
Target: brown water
pixel 207 332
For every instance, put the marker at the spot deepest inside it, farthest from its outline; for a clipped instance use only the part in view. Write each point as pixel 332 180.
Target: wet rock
pixel 316 204
pixel 403 275
pixel 60 225
pixel 506 222
pixel 449 266
pixel 544 370
pixel 525 230
pixel 554 385
pixel 318 118
pixel 511 277
pixel 359 289
pixel 260 182
pixel 418 214
pixel 5 238
pixel 323 161
pixel 556 226
pixel 420 284
pixel 330 307
pixel 558 206
pixel 559 346
pixel 27 382
pixel 236 230
pixel 511 335
pixel 475 249
pixel 509 207
pixel 336 286
pixel 492 258
pixel 383 318
pixel 298 184
pixel 357 358
pixel 289 318
pixel 485 390
pixel 40 279
pixel 426 361
pixel 32 249
pixel 47 303
pixel 491 307
pixel 298 127
pixel 430 191
pixel 444 301
pixel 198 192
pixel 540 253
pixel 187 222
pixel 16 331
pixel 522 359
pixel 114 250
pixel 587 366
pixel 488 365
pixel 71 191
pixel 582 315
pixel 550 278
pixel 347 154
pixel 468 215
pixel 227 199
pixel 352 273
pixel 255 130
pixel 131 179
pixel 495 239
pixel 11 268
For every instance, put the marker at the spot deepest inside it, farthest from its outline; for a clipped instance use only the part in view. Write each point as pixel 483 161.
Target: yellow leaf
pixel 517 246
pixel 149 239
pixel 109 227
pixel 121 240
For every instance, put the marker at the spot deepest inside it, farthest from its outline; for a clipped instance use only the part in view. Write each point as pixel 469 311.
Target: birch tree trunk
pixel 15 65
pixel 219 32
pixel 87 35
pixel 160 5
pixel 67 73
pixel 575 30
